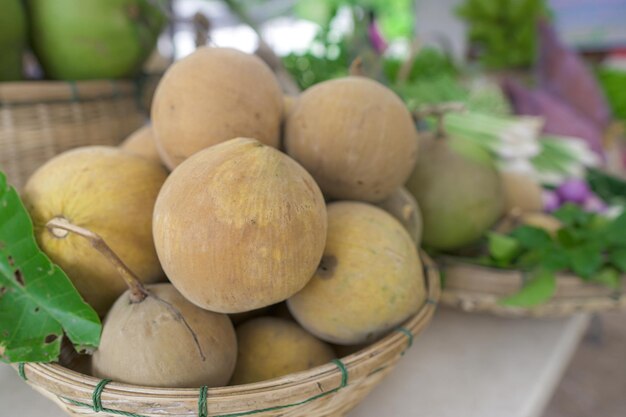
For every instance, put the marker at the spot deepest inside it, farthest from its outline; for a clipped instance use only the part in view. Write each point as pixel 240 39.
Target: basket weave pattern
pixel 39 120
pixel 328 390
pixel 474 288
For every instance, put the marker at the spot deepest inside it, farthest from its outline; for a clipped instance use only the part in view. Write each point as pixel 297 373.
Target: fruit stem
pixel 356 67
pixel 59 226
pixel 439 111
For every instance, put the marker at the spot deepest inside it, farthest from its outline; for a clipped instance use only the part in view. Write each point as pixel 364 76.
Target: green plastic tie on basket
pixel 96 399
pixel 202 399
pixel 21 371
pixel 408 335
pixel 140 84
pixel 74 91
pixel 202 408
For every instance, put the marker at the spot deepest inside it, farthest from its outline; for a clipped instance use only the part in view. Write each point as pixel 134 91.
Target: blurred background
pixel 507 61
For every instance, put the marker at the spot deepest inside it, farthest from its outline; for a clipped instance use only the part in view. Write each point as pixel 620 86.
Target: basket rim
pixel 31 92
pixel 475 292
pixel 77 382
pixel 445 261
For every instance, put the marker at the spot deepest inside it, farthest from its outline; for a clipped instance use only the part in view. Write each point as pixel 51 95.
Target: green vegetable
pixel 537 290
pixel 609 188
pixel 588 245
pixel 503 31
pixel 613 82
pixel 37 300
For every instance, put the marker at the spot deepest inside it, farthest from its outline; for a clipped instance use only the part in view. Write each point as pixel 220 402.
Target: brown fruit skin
pixel 239 226
pixel 270 347
pixel 354 136
pixel 403 206
pixel 165 341
pixel 542 220
pixel 369 281
pixel 521 192
pixel 213 95
pixel 109 192
pixel 141 143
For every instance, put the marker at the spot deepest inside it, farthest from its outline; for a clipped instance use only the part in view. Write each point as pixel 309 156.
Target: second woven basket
pixel 40 119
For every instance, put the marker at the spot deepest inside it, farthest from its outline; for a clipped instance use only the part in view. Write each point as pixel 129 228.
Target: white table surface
pixel 462 366
pixel 478 366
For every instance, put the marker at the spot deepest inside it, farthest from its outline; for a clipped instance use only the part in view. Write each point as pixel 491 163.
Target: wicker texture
pixel 41 119
pixel 474 288
pixel 326 390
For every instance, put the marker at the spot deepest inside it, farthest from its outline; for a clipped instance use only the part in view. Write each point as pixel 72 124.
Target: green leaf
pixel 616 231
pixel 37 300
pixel 537 290
pixel 618 259
pixel 502 248
pixel 585 260
pixel 572 215
pixel 531 237
pixel 609 277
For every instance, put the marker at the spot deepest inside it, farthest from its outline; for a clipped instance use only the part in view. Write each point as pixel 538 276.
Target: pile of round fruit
pixel 243 223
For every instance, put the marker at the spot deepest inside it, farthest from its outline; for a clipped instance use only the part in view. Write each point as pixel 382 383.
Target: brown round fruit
pixel 213 95
pixel 239 226
pixel 270 347
pixel 402 205
pixel 141 143
pixel 355 136
pixel 370 278
pixel 165 341
pixel 109 192
pixel 521 192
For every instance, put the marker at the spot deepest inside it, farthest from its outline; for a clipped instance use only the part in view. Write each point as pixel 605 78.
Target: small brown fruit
pixel 141 143
pixel 270 347
pixel 165 341
pixel 402 205
pixel 239 226
pixel 213 95
pixel 521 192
pixel 355 137
pixel 370 278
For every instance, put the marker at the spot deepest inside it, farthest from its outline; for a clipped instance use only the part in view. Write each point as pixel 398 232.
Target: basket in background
pixel 475 289
pixel 328 390
pixel 40 119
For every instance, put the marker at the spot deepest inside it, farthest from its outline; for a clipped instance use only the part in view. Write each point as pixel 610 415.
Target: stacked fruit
pixel 241 223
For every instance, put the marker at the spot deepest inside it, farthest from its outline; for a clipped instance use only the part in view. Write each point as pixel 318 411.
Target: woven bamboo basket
pixel 41 119
pixel 328 390
pixel 475 288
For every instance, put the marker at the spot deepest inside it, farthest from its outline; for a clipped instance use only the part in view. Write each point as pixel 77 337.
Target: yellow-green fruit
pixel 521 192
pixel 370 278
pixel 109 192
pixel 459 192
pixel 402 205
pixel 270 347
pixel 239 226
pixel 141 143
pixel 355 136
pixel 165 341
pixel 213 95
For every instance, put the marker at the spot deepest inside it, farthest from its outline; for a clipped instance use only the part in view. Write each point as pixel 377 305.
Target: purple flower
pixel 551 201
pixel 574 190
pixel 594 204
pixel 376 38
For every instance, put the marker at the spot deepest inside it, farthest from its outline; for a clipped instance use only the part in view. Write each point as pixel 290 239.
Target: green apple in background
pixel 13 37
pixel 94 39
